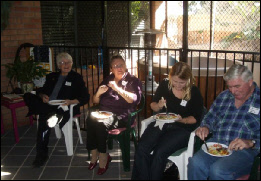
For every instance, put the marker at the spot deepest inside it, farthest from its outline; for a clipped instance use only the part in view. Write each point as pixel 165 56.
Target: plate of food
pixel 170 117
pixel 56 102
pixel 216 149
pixel 100 115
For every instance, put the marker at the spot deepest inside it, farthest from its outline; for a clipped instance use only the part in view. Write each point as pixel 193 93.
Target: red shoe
pixel 101 171
pixel 92 165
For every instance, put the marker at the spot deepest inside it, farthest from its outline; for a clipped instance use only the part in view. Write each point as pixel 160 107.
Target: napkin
pixel 65 108
pixel 160 124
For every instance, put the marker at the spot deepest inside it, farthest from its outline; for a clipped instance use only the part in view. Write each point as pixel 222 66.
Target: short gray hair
pixel 61 56
pixel 238 71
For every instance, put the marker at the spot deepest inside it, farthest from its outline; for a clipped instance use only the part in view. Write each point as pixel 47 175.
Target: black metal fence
pixel 208 67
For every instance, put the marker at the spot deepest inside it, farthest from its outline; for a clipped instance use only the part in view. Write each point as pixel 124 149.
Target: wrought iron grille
pixel 58 22
pixel 89 23
pixel 224 25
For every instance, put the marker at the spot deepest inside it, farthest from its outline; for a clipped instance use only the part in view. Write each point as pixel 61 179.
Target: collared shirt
pixel 227 122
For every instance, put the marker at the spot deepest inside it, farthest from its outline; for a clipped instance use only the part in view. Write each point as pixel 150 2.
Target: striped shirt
pixel 226 122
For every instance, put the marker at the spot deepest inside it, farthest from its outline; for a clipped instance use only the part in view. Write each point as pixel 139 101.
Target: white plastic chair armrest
pixel 190 149
pixel 145 123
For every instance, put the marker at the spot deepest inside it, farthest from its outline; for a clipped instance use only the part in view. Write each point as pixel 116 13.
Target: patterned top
pixel 226 122
pixel 113 102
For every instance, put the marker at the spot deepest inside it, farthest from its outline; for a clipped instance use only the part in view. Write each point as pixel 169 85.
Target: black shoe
pixel 54 119
pixel 40 161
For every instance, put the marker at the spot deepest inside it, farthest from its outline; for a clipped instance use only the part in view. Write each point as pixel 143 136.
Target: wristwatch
pixel 254 143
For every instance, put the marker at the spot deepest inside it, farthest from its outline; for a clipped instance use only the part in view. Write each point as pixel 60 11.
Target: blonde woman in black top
pixel 182 97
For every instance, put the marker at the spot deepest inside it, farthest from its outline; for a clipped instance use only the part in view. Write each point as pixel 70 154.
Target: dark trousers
pixel 36 106
pixel 163 143
pixel 97 132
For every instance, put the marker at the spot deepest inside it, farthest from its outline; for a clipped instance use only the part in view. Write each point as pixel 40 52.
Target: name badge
pixel 183 103
pixel 68 83
pixel 254 110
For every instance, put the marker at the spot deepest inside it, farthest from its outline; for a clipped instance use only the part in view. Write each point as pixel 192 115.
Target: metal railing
pixel 208 67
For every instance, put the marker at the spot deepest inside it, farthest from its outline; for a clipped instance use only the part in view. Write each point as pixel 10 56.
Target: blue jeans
pixel 203 166
pixel 163 143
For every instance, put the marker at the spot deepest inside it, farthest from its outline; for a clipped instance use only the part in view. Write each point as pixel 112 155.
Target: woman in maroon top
pixel 119 93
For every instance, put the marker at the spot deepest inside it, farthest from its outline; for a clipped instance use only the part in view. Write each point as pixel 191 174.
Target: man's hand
pixel 202 132
pixel 240 144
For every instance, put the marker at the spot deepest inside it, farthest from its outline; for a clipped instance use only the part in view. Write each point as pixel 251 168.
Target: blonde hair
pixel 62 56
pixel 182 71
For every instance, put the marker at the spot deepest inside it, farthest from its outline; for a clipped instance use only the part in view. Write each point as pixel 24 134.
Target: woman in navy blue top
pixel 62 85
pixel 119 93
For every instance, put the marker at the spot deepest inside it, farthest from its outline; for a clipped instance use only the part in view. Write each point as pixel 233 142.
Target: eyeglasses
pixel 117 66
pixel 65 63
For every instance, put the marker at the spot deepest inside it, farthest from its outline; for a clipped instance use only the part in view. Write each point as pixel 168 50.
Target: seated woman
pixel 119 93
pixel 181 97
pixel 63 85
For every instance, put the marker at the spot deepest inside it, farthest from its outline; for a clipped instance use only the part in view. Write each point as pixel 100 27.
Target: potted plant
pixel 25 72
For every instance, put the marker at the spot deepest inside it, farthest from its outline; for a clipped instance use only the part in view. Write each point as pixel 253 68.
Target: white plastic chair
pixel 180 157
pixel 68 131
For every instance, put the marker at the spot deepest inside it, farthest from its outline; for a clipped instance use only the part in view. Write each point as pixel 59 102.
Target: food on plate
pixel 57 102
pixel 164 116
pixel 101 114
pixel 217 149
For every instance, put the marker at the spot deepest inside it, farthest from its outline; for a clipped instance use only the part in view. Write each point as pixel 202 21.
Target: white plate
pixel 166 120
pixel 98 116
pixel 203 147
pixel 56 102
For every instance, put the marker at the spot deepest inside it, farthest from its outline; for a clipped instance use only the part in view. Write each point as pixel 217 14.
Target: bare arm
pixel 187 120
pixel 156 107
pixel 128 96
pixel 102 89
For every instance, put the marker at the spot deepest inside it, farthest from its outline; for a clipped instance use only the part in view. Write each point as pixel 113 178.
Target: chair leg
pixel 89 154
pixel 78 129
pixel 110 143
pixel 179 161
pixel 124 141
pixel 134 138
pixel 68 136
pixel 58 132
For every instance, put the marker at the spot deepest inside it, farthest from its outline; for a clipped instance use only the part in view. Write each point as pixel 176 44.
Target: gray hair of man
pixel 238 71
pixel 61 56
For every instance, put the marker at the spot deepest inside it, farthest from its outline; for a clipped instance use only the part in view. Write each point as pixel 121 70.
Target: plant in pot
pixel 25 72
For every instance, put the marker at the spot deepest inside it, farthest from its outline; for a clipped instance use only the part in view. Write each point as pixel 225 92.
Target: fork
pixel 205 144
pixel 165 107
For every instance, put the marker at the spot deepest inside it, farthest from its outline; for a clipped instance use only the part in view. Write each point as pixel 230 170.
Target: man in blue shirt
pixel 234 120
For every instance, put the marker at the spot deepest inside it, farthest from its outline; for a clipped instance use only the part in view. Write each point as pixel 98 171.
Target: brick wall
pixel 24 27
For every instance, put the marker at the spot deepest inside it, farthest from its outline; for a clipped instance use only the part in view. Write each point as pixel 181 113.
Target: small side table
pixel 12 107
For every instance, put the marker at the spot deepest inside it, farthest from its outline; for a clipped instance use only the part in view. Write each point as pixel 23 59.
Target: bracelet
pixel 185 121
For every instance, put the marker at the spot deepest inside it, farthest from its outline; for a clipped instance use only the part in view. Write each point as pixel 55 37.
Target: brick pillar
pixel 24 26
